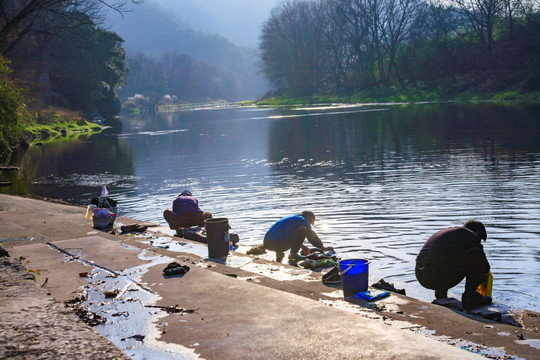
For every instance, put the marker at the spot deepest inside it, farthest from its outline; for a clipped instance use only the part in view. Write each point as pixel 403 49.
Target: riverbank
pixel 389 95
pixel 246 307
pixel 48 125
pixel 56 124
pixel 394 95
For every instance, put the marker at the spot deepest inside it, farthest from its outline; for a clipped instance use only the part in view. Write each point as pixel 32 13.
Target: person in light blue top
pixel 289 233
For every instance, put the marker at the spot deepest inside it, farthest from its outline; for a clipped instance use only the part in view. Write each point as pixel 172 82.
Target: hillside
pixel 238 20
pixel 153 30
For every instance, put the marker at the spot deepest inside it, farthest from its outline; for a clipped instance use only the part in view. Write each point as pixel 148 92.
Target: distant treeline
pixel 63 54
pixel 212 66
pixel 177 77
pixel 346 46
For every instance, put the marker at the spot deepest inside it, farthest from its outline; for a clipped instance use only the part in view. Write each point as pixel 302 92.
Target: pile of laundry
pixel 316 258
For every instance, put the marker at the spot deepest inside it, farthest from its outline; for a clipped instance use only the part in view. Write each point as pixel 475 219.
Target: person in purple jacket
pixel 185 212
pixel 449 256
pixel 289 233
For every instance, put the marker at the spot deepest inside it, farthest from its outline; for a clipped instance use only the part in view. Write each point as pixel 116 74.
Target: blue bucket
pixel 354 276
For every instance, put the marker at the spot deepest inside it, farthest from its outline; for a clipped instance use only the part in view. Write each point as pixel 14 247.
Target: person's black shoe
pixel 175 268
pixel 471 300
pixel 441 294
pixel 179 232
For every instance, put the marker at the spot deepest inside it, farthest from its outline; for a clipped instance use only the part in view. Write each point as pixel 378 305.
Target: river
pixel 380 178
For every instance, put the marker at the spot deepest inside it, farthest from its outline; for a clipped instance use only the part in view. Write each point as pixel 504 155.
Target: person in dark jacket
pixel 449 256
pixel 185 212
pixel 289 233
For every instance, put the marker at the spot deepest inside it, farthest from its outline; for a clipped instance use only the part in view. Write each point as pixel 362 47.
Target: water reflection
pixel 72 169
pixel 381 179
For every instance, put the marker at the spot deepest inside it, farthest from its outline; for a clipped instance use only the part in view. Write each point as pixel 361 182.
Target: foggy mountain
pixel 238 20
pixel 191 27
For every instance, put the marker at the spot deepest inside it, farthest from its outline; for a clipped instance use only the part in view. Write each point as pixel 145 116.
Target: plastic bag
pixel 102 217
pixel 105 209
pixel 371 295
pixel 90 211
pixel 486 288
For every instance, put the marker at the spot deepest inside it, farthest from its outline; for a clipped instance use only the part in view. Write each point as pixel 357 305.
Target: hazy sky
pixel 238 20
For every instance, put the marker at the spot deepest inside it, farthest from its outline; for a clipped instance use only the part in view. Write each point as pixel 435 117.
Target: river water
pixel 380 178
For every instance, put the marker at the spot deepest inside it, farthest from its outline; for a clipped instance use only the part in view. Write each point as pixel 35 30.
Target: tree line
pixel 347 46
pixel 176 77
pixel 61 53
pixel 158 39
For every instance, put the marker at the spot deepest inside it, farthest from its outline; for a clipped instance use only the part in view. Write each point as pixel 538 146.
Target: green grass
pixel 397 94
pixel 54 124
pixel 246 103
pixel 190 106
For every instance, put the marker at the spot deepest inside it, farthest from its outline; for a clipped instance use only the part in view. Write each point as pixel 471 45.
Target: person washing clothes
pixel 449 256
pixel 185 212
pixel 289 233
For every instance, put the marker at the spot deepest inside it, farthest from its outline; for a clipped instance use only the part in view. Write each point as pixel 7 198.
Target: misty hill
pixel 238 20
pixel 153 30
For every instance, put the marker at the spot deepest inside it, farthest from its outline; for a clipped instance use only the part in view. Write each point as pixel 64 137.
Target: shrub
pixel 12 108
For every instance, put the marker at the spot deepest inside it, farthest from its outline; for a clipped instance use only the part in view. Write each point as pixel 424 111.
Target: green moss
pixel 191 106
pixel 4 146
pixel 402 94
pixel 246 103
pixel 129 108
pixel 49 126
pixel 285 101
pixel 131 111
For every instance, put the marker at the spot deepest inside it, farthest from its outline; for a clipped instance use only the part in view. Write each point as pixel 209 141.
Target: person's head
pixel 185 193
pixel 477 227
pixel 309 216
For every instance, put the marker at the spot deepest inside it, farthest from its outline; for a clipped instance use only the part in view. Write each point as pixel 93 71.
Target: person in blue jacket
pixel 289 233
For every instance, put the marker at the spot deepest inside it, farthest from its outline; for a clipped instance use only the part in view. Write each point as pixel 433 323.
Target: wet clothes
pixel 289 233
pixel 449 256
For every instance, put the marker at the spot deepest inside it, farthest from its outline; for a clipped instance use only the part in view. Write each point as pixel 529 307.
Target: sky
pixel 238 20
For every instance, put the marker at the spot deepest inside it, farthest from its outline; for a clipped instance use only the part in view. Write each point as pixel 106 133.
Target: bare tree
pixel 292 47
pixel 482 15
pixel 273 49
pixel 362 18
pixel 20 17
pixel 442 21
pixel 337 33
pixel 395 26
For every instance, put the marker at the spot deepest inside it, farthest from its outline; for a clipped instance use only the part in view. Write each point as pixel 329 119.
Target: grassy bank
pixel 53 124
pixel 131 108
pixel 192 106
pixel 393 95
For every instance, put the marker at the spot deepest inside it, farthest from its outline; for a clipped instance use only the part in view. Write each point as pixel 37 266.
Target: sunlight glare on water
pixel 380 180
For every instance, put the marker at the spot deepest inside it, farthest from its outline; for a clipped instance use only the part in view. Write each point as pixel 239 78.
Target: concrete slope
pixel 244 308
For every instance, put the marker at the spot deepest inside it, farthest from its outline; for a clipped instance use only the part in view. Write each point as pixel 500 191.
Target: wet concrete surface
pixel 35 325
pixel 245 307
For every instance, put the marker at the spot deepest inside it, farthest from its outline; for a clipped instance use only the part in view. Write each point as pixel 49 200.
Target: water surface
pixel 381 178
